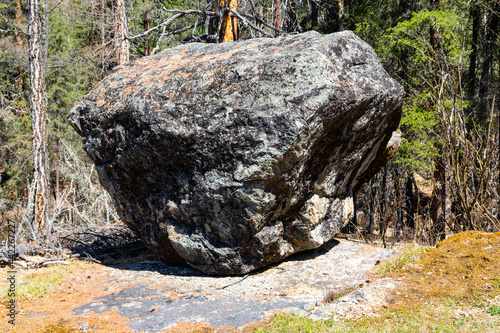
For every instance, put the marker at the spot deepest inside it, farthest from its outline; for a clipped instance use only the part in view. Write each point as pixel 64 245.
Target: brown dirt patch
pixel 53 312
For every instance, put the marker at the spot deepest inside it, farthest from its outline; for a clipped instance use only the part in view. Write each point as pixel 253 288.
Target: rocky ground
pixel 148 296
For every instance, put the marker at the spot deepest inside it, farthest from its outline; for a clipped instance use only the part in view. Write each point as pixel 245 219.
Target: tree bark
pixel 229 26
pixel 277 15
pixel 433 31
pixel 486 81
pixel 410 202
pixel 314 14
pixel 371 208
pixel 20 69
pixel 19 35
pixel 476 20
pixel 38 120
pixel 261 16
pixel 438 211
pixel 438 207
pixel 121 32
pixel 341 15
pixel 498 151
pixel 147 21
pixel 398 191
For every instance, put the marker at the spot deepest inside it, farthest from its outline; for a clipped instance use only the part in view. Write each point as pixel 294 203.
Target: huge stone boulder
pixel 233 156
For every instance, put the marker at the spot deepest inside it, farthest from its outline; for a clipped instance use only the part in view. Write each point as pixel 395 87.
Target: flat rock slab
pixel 155 296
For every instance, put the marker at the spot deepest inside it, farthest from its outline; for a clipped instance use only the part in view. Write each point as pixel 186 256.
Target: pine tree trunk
pixel 121 32
pixel 438 206
pixel 19 34
pixel 341 15
pixel 398 191
pixel 38 121
pixel 498 152
pixel 20 69
pixel 261 16
pixel 277 15
pixel 438 214
pixel 476 20
pixel 354 223
pixel 486 82
pixel 314 14
pixel 410 202
pixel 229 26
pixel 433 32
pixel 147 46
pixel 371 208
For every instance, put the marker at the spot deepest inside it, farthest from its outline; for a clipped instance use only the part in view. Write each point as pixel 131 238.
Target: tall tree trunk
pixel 20 69
pixel 277 15
pixel 438 211
pixel 261 16
pixel 341 15
pixel 354 226
pixel 410 202
pixel 38 121
pixel 383 194
pixel 46 41
pixel 498 150
pixel 102 5
pixel 435 4
pixel 121 32
pixel 438 206
pixel 475 13
pixel 314 14
pixel 371 208
pixel 486 82
pixel 147 21
pixel 229 26
pixel 399 214
pixel 19 35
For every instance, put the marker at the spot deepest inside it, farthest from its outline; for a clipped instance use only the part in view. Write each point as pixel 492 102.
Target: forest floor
pixel 454 287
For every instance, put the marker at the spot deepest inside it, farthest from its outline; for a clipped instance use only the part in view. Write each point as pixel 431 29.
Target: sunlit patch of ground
pixel 47 296
pixel 454 287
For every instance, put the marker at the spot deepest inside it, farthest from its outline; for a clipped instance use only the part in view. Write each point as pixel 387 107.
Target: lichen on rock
pixel 233 156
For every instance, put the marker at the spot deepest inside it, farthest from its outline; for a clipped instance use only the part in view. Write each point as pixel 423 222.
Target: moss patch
pixel 463 266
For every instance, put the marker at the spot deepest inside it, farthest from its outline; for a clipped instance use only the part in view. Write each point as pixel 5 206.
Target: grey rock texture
pixel 233 156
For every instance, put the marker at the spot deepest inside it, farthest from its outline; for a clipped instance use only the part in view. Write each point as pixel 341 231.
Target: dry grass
pixel 407 255
pixel 37 282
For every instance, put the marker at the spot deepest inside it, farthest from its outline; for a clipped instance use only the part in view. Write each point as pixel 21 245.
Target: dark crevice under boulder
pixel 233 156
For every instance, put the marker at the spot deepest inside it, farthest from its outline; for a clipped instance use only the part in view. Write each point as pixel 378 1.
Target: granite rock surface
pixel 233 156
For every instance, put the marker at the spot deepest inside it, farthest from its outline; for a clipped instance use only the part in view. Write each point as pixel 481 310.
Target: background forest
pixel 444 179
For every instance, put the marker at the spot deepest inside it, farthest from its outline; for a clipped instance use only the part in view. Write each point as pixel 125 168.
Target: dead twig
pixel 232 284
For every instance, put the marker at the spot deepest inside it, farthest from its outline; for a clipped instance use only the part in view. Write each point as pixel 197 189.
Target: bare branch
pixel 147 32
pixel 270 26
pixel 247 23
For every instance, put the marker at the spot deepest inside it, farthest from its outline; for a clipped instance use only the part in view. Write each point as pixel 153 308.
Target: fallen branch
pixel 232 284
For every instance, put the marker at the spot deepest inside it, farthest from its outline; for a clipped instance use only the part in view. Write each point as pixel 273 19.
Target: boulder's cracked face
pixel 233 156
